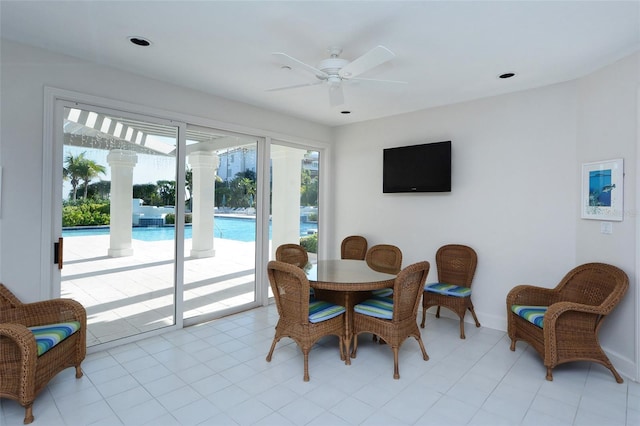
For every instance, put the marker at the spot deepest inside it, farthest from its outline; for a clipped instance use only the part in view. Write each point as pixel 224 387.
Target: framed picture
pixel 602 190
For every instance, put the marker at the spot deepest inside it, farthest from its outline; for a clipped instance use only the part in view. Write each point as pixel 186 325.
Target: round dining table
pixel 346 282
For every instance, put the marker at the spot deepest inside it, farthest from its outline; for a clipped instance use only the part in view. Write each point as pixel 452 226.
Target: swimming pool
pixel 231 228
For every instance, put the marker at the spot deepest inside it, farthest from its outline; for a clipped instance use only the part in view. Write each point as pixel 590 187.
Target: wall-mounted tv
pixel 417 168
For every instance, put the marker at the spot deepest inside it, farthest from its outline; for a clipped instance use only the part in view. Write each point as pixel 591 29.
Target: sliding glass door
pixel 221 229
pixel 118 193
pixel 295 176
pixel 164 224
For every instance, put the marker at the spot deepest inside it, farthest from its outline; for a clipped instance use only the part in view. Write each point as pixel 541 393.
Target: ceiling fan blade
pixel 375 80
pixel 336 95
pixel 293 62
pixel 376 56
pixel 296 86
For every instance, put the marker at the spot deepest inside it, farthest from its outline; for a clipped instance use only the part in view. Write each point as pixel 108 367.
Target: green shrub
pixel 310 243
pixel 85 213
pixel 170 218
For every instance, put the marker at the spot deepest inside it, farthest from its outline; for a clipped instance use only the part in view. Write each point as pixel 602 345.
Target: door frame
pixel 56 100
pixel 49 270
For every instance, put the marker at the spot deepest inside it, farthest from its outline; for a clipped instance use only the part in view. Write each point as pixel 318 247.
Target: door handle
pixel 57 252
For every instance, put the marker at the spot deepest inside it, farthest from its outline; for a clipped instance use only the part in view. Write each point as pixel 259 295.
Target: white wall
pixel 607 129
pixel 511 199
pixel 24 73
pixel 515 189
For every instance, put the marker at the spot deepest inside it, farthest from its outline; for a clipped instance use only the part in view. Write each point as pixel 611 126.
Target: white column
pixel 203 165
pixel 121 162
pixel 285 209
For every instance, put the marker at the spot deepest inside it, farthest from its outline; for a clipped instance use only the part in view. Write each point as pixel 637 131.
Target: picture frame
pixel 603 190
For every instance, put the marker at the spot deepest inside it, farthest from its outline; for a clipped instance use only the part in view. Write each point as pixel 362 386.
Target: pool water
pixel 231 228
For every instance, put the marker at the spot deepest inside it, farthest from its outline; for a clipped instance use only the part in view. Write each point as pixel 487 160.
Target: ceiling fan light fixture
pixel 140 41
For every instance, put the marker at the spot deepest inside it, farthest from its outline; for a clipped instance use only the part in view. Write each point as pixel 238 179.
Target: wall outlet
pixel 606 228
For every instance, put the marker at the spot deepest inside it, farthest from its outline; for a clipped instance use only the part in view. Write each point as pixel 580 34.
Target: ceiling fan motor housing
pixel 332 66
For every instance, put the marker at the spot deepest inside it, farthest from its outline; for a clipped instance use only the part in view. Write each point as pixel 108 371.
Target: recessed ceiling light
pixel 140 41
pixel 507 75
pixel 345 112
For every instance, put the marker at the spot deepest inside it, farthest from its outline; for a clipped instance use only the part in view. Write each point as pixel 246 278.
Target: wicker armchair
pixel 23 372
pixel 456 265
pixel 293 254
pixel 394 320
pixel 353 247
pixel 562 323
pixel 302 320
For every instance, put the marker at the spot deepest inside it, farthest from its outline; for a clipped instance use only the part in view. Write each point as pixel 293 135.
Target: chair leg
pixel 549 375
pixel 462 336
pixel 78 372
pixel 438 312
pixel 28 414
pixel 396 373
pixel 424 351
pixel 513 345
pixel 615 374
pixel 424 317
pixel 475 318
pixel 354 350
pixel 273 346
pixel 306 366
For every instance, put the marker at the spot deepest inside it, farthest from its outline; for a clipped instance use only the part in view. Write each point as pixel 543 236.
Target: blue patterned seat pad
pixel 378 307
pixel 448 289
pixel 47 336
pixel 321 311
pixel 533 314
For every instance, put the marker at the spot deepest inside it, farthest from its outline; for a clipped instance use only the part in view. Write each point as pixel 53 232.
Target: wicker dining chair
pixel 562 323
pixel 456 266
pixel 37 341
pixel 394 319
pixel 353 247
pixel 293 254
pixel 385 258
pixel 302 320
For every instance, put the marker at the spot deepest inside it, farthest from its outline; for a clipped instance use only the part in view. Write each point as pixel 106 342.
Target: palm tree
pixel 72 170
pixel 89 170
pixel 79 168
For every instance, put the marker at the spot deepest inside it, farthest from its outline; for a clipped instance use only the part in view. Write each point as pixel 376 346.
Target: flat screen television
pixel 417 168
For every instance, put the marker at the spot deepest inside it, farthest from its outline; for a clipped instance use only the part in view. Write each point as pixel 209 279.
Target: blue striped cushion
pixel 448 289
pixel 378 307
pixel 321 311
pixel 533 314
pixel 382 292
pixel 47 336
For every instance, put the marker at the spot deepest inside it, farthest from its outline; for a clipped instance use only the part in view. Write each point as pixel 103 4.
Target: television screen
pixel 417 168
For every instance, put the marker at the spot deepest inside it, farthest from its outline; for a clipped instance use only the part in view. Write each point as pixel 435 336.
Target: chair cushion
pixel 382 292
pixel 533 314
pixel 448 289
pixel 378 307
pixel 47 336
pixel 320 310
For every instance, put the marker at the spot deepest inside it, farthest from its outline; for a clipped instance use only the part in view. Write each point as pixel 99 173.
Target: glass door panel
pixel 294 198
pixel 220 223
pixel 119 195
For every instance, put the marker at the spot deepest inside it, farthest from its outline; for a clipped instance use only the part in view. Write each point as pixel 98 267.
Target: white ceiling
pixel 447 51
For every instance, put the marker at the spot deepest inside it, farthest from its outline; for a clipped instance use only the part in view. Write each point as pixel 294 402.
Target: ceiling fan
pixel 334 70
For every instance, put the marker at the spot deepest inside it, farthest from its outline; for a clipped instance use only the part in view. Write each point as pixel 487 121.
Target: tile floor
pixel 216 374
